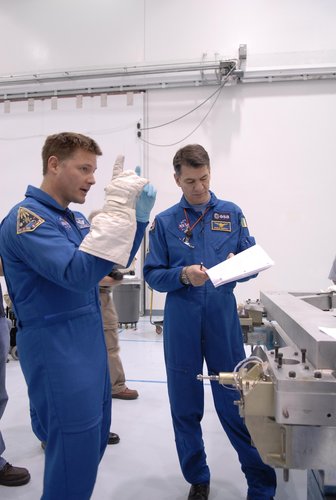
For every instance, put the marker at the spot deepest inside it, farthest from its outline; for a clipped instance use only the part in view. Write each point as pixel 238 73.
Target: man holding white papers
pixel 245 264
pixel 200 321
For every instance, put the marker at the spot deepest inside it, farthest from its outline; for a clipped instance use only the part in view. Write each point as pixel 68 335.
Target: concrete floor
pixel 144 465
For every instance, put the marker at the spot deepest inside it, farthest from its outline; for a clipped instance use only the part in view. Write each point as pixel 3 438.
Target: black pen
pixel 201 266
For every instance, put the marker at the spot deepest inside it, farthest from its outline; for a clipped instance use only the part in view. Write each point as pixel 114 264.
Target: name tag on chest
pixel 221 221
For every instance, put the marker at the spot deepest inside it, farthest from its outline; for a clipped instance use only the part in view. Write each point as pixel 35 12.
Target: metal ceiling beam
pixel 114 80
pixel 288 74
pixel 147 77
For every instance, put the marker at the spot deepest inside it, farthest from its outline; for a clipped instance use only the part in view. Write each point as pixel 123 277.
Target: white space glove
pixel 112 230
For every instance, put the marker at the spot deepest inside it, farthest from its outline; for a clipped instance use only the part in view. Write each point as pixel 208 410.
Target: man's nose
pixel 91 180
pixel 198 186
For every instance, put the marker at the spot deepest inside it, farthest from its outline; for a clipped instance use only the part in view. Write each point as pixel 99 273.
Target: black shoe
pixel 113 438
pixel 199 491
pixel 13 476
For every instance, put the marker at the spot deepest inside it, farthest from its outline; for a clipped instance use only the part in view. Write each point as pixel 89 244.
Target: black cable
pixel 194 109
pixel 186 137
pixel 218 91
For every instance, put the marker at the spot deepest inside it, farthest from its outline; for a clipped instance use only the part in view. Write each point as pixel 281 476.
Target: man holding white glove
pixel 128 199
pixel 53 261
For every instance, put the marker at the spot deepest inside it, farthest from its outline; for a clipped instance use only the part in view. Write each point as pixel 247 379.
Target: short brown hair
pixel 192 155
pixel 64 144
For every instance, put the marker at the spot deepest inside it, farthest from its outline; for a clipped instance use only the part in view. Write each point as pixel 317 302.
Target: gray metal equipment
pixel 288 391
pixel 126 297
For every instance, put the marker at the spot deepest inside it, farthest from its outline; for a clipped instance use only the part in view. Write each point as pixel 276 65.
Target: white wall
pixel 271 145
pixel 22 134
pixel 38 36
pixel 273 153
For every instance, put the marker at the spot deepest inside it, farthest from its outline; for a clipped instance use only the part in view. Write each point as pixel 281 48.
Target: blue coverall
pixel 60 338
pixel 202 323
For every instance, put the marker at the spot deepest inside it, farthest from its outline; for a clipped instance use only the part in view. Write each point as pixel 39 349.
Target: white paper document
pixel 244 264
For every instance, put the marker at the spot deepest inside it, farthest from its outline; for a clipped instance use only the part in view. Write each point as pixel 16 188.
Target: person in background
pixel 53 260
pixel 332 274
pixel 110 324
pixel 200 321
pixel 9 475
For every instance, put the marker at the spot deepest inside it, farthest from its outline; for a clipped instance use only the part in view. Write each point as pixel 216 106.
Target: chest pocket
pixel 223 237
pixel 180 249
pixel 73 232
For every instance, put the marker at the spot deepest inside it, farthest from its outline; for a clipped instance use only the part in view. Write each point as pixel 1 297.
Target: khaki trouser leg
pixel 110 321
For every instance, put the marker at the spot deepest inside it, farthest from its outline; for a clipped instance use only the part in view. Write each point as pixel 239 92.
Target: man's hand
pixel 113 229
pixel 145 201
pixel 197 275
pixel 108 281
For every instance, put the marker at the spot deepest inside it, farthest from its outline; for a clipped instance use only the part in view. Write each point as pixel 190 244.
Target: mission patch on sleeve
pixel 27 221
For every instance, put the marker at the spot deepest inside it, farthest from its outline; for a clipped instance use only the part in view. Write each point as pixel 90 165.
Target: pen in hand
pixel 201 266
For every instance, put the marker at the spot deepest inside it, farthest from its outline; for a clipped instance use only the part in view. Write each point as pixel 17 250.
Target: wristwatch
pixel 184 277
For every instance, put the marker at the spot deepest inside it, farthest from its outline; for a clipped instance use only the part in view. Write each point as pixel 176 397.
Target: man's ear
pixel 177 180
pixel 52 164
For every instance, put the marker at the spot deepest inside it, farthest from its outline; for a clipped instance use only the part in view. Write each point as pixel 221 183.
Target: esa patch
pixel 218 225
pixel 221 216
pixel 27 221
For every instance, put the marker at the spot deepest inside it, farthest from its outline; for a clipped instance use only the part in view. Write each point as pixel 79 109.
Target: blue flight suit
pixel 60 338
pixel 202 323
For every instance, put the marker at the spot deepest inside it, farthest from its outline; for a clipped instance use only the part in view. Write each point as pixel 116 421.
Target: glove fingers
pixel 126 186
pixel 150 190
pixel 118 166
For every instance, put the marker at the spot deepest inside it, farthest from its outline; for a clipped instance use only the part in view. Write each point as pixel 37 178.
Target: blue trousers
pixel 65 367
pixel 204 326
